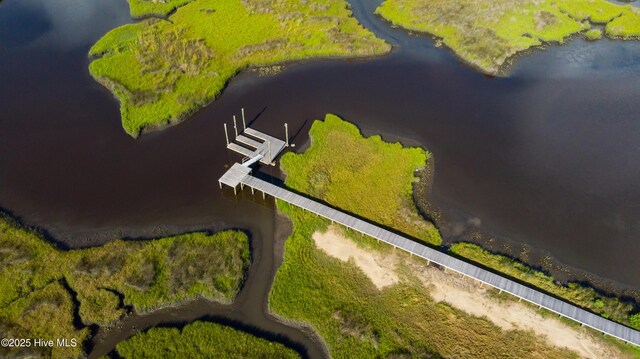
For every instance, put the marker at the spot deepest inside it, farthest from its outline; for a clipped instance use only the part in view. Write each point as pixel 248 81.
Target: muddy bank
pixel 249 310
pixel 178 316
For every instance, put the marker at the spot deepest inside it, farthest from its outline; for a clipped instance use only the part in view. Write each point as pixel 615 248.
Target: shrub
pixel 634 320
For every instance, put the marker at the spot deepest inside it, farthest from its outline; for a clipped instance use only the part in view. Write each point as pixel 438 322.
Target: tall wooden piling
pixel 235 125
pixel 286 134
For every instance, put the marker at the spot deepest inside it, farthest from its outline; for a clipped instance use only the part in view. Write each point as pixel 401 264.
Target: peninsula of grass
pixel 163 70
pixel 201 340
pixel 48 293
pixel 486 33
pixel 373 179
pixel 364 176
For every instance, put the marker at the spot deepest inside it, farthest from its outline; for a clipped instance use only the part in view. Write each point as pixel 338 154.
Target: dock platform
pixel 234 176
pixel 262 144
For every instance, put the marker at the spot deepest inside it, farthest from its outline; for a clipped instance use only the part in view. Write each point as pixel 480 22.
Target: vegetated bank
pixel 201 340
pixel 163 70
pixel 486 33
pixel 586 297
pixel 48 293
pixel 365 176
pixel 145 8
pixel 355 318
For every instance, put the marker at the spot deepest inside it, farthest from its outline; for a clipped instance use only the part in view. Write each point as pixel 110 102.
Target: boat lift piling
pixel 235 125
pixel 286 135
pixel 254 145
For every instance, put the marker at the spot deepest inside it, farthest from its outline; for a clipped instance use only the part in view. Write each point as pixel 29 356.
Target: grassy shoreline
pixel 487 34
pixel 310 287
pixel 201 339
pixel 163 70
pixel 374 181
pixel 77 290
pixel 586 297
pixel 141 9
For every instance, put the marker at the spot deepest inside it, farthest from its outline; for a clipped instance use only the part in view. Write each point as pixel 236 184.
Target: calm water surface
pixel 543 164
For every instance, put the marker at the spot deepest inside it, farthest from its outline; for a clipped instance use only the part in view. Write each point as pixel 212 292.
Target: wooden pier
pixel 242 177
pixel 234 176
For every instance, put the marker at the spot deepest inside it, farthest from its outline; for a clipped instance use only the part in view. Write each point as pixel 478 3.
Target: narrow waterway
pixel 249 310
pixel 542 165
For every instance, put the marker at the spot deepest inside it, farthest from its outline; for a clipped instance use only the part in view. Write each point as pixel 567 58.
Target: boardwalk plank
pixel 529 294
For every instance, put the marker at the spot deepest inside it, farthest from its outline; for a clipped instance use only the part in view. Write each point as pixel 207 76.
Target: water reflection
pixel 60 24
pixel 580 58
pixel 21 23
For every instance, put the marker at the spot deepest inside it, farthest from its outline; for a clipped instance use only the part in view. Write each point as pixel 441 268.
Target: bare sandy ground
pixel 465 294
pixel 380 269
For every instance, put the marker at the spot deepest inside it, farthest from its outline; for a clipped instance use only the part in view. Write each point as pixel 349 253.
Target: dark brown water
pixel 545 162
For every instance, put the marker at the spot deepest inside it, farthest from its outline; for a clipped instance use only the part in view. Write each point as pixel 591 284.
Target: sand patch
pixel 380 269
pixel 465 294
pixel 470 296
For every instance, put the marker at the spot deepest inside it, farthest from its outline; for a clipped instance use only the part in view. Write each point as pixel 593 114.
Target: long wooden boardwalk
pixel 504 284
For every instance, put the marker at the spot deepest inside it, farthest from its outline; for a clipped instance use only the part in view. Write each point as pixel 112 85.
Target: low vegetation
pixel 157 8
pixel 634 320
pixel 585 297
pixel 365 176
pixel 46 313
pixel 163 70
pixel 486 33
pixel 593 34
pixel 201 340
pixel 48 293
pixel 373 179
pixel 356 318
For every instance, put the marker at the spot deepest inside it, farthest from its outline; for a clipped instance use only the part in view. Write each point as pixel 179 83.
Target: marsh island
pixel 163 69
pixel 486 33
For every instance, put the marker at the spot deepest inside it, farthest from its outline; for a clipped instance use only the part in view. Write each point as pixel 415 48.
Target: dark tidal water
pixel 543 164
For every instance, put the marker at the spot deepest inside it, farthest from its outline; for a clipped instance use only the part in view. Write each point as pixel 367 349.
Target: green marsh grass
pixel 585 297
pixel 357 320
pixel 161 71
pixel 373 179
pixel 486 33
pixel 593 34
pixel 148 8
pixel 365 176
pixel 40 283
pixel 201 340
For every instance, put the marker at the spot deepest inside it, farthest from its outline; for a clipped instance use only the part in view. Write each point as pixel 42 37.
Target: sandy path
pixel 464 294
